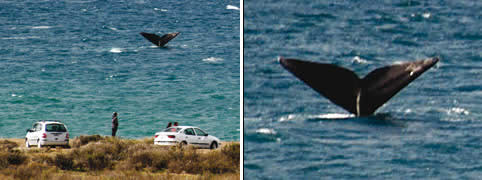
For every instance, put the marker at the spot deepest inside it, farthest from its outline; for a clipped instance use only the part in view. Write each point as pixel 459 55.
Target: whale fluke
pixel 159 41
pixel 358 96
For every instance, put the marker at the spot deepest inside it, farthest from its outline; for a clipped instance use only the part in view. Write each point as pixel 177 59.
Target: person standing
pixel 115 123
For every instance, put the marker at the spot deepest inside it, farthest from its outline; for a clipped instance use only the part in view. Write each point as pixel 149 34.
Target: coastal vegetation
pixel 98 157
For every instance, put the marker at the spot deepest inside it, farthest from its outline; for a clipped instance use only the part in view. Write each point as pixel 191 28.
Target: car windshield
pixel 172 129
pixel 55 128
pixel 200 132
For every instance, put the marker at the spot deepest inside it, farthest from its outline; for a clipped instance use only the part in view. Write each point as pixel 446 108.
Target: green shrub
pixel 149 141
pixel 118 148
pixel 83 140
pixel 7 145
pixel 39 150
pixel 161 160
pixel 156 159
pixel 138 147
pixel 100 155
pixel 4 160
pixel 217 163
pixel 98 161
pixel 16 158
pixel 64 162
pixel 31 171
pixel 141 160
pixel 232 152
pixel 11 158
pixel 131 157
pixel 42 159
pixel 91 157
pixel 184 160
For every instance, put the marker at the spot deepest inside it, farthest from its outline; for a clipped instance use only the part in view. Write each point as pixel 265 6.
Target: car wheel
pixel 214 145
pixel 27 144
pixel 38 144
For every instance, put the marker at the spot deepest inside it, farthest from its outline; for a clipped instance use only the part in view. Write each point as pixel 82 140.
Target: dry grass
pixel 97 157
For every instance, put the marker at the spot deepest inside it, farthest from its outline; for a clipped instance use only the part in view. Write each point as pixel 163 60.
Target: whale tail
pixel 358 96
pixel 159 41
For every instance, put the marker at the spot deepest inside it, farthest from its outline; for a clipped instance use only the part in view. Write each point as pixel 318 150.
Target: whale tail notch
pixel 157 40
pixel 345 89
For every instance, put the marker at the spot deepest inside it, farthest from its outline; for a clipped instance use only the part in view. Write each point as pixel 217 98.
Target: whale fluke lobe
pixel 159 41
pixel 358 96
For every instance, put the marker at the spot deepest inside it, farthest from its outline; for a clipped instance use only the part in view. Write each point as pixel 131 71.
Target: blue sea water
pixel 79 61
pixel 429 130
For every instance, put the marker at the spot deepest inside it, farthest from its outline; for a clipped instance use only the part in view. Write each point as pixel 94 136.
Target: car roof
pixel 49 122
pixel 184 127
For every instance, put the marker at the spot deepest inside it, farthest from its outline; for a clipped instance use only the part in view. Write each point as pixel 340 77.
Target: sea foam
pixel 41 27
pixel 266 131
pixel 232 7
pixel 115 50
pixel 213 59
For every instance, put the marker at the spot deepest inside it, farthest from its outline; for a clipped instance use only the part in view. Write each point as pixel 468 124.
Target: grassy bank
pixel 97 157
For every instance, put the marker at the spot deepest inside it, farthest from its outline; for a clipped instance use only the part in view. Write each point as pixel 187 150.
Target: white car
pixel 47 133
pixel 186 135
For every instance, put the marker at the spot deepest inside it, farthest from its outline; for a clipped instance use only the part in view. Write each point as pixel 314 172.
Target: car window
pixel 189 131
pixel 200 132
pixel 172 130
pixel 37 127
pixel 55 128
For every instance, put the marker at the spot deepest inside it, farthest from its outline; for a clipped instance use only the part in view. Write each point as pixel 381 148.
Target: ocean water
pixel 79 61
pixel 429 130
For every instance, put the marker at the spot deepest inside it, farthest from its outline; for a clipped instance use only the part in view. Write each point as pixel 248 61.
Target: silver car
pixel 47 133
pixel 186 135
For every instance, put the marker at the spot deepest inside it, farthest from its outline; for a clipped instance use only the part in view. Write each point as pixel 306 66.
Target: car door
pixel 32 136
pixel 29 135
pixel 202 138
pixel 190 137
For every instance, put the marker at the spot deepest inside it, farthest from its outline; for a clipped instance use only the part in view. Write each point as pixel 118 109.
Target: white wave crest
pixel 359 60
pixel 213 59
pixel 457 110
pixel 113 28
pixel 157 9
pixel 41 27
pixel 115 50
pixel 252 119
pixel 455 114
pixel 293 117
pixel 287 118
pixel 426 15
pixel 334 116
pixel 232 7
pixel 386 27
pixel 266 131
